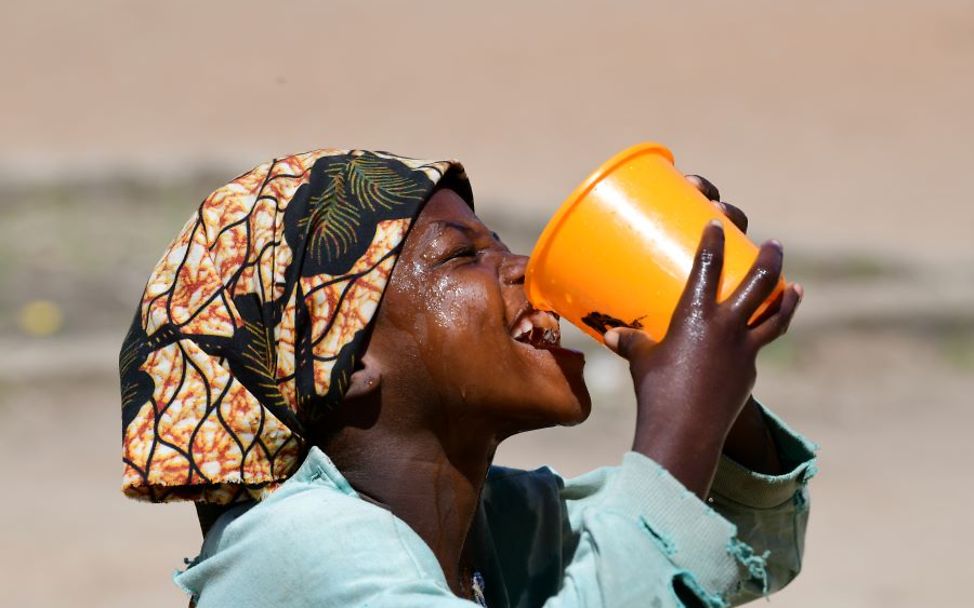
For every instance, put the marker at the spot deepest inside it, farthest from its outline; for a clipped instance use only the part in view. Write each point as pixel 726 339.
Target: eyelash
pixel 463 252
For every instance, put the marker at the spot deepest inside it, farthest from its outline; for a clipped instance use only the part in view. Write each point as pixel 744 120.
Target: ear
pixel 365 380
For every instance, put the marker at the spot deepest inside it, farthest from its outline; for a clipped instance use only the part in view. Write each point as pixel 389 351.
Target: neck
pixel 430 480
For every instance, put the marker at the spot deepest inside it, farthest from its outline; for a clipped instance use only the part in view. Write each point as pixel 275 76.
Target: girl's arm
pixel 693 385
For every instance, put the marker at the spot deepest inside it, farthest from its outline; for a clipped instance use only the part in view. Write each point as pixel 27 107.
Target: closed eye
pixel 463 252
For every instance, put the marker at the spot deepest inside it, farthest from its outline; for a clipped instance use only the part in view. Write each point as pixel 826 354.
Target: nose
pixel 512 269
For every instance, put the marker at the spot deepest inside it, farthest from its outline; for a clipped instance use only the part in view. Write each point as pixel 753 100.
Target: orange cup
pixel 619 250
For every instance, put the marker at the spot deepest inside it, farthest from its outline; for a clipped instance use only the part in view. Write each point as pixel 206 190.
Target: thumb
pixel 626 342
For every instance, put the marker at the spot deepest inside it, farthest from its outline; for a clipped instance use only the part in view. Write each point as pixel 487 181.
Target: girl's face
pixel 456 328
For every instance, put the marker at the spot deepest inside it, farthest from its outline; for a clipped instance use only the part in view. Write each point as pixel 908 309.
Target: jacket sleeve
pixel 744 542
pixel 770 512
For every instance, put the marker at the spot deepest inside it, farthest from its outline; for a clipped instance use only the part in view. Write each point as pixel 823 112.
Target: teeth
pixel 538 328
pixel 544 320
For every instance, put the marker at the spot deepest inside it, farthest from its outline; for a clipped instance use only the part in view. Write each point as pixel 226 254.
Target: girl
pixel 328 355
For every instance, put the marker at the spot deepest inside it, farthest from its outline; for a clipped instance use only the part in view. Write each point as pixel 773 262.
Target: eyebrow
pixel 450 224
pixel 440 225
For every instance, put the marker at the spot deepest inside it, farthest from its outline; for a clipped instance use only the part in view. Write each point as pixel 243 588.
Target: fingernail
pixel 717 223
pixel 800 291
pixel 777 245
pixel 611 339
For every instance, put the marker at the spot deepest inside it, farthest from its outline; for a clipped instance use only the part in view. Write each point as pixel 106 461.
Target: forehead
pixel 444 213
pixel 447 206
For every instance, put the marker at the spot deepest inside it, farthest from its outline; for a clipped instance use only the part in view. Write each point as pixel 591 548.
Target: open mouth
pixel 538 329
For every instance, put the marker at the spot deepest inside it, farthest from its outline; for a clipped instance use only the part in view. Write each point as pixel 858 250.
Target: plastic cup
pixel 619 250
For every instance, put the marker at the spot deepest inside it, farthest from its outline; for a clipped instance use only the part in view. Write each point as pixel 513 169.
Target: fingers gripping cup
pixel 620 249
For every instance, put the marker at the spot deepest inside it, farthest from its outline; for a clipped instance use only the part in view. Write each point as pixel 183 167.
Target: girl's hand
pixel 749 441
pixel 691 387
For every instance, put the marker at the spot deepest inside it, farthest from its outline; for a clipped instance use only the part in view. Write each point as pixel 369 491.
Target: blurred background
pixel 843 128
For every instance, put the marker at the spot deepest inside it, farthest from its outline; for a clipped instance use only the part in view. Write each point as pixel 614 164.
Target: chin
pixel 577 412
pixel 575 403
pixel 563 397
pixel 559 409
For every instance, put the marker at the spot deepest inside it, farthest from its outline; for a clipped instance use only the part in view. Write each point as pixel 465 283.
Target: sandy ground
pixel 843 128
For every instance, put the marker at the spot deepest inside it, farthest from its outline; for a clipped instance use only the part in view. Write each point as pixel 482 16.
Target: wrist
pixel 686 447
pixel 690 421
pixel 663 430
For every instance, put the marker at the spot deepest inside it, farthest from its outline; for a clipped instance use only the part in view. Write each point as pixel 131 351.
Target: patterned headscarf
pixel 251 323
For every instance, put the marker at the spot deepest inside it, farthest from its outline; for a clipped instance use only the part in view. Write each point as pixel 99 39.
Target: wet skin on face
pixel 444 331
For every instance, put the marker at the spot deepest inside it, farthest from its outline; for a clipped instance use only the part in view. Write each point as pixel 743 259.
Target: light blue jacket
pixel 617 537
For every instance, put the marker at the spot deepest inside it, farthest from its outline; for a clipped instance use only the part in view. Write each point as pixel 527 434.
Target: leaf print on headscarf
pixel 356 195
pixel 254 358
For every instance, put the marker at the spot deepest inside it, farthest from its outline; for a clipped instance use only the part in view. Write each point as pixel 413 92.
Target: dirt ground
pixel 843 128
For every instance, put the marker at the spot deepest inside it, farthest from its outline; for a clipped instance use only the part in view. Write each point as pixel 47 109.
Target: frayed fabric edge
pixel 756 564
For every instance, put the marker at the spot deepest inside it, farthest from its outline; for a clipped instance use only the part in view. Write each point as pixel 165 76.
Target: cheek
pixel 453 298
pixel 466 311
pixel 454 306
pixel 465 328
